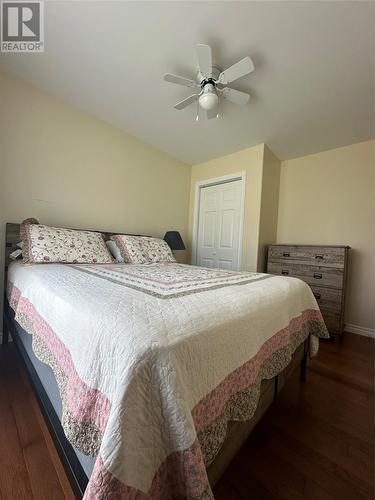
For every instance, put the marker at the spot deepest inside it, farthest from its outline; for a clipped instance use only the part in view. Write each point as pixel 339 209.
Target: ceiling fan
pixel 212 83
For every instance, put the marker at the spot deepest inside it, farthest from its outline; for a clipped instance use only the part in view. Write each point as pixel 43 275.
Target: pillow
pixel 55 244
pixel 143 249
pixel 16 254
pixel 157 250
pixel 115 251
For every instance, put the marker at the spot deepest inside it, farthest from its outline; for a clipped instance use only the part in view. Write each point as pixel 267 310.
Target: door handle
pixel 213 253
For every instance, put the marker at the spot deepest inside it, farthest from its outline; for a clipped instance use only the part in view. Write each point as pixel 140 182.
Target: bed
pixel 152 376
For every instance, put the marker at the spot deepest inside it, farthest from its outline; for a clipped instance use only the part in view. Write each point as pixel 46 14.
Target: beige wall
pixel 328 198
pixel 248 160
pixel 269 206
pixel 65 167
pixel 261 198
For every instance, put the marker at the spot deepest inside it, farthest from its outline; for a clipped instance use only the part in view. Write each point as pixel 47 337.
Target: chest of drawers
pixel 324 268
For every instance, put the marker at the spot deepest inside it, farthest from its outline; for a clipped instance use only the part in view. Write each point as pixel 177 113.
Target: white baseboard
pixel 359 330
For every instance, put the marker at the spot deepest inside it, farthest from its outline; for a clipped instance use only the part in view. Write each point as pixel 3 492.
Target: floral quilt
pixel 153 361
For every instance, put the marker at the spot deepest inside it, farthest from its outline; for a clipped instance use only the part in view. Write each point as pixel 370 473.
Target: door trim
pixel 237 176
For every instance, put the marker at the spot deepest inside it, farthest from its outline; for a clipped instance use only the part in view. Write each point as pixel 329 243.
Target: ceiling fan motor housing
pixel 214 75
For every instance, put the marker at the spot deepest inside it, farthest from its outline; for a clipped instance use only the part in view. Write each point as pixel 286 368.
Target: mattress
pixel 48 381
pixel 153 361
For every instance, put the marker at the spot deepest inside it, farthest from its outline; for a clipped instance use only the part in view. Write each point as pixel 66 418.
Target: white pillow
pixel 16 254
pixel 115 251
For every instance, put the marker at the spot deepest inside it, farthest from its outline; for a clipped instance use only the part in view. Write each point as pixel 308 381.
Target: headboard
pixel 12 237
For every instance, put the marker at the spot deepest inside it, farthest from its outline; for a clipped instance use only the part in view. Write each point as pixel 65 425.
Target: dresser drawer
pixel 313 275
pixel 328 299
pixel 320 256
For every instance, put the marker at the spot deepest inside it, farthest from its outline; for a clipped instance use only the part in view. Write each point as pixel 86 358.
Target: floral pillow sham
pixel 143 249
pixel 54 244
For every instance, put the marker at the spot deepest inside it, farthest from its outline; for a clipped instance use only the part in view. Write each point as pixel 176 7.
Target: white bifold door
pixel 219 225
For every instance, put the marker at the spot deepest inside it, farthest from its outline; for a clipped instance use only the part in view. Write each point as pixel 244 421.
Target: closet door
pixel 219 226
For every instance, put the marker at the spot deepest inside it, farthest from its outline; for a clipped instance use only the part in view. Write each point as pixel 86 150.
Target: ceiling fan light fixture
pixel 208 100
pixel 213 83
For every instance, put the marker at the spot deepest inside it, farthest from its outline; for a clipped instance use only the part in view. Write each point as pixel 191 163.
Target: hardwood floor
pixel 315 442
pixel 29 465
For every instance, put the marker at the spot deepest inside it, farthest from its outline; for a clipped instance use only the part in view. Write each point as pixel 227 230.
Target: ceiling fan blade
pixel 187 101
pixel 235 96
pixel 180 80
pixel 204 57
pixel 212 113
pixel 238 70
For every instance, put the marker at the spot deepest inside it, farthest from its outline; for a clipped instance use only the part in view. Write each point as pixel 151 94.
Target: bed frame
pixel 237 432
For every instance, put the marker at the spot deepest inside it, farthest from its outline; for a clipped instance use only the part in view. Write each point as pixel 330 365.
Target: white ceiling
pixel 312 89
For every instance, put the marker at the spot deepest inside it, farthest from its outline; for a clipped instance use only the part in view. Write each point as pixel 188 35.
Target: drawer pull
pixel 286 254
pixel 318 276
pixel 285 272
pixel 320 257
pixel 317 296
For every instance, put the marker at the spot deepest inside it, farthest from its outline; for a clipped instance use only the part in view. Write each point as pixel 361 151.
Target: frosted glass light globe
pixel 208 101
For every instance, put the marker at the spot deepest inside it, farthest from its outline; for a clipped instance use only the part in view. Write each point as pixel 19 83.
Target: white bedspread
pixel 147 358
